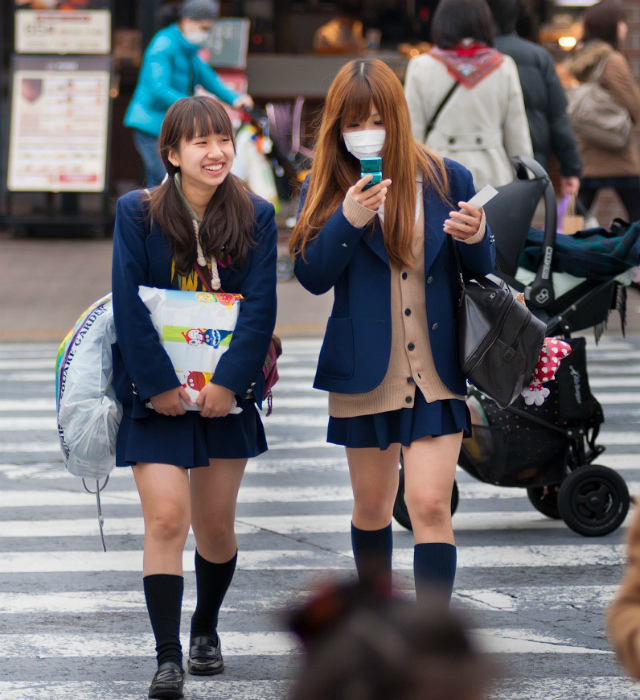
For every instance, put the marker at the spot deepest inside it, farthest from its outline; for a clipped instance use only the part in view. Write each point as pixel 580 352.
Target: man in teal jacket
pixel 171 68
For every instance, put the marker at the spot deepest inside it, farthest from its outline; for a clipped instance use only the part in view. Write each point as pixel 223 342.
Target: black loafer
pixel 168 683
pixel 205 656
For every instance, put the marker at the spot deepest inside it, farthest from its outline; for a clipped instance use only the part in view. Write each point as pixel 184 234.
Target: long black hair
pixel 225 229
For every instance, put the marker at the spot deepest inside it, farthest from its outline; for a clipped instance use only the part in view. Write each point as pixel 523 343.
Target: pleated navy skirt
pixel 190 440
pixel 404 425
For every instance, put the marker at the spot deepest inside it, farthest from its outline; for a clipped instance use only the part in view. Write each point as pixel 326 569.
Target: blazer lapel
pixel 435 212
pixel 375 241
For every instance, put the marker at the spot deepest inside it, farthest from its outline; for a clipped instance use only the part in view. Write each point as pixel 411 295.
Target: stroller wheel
pixel 545 500
pixel 593 501
pixel 400 511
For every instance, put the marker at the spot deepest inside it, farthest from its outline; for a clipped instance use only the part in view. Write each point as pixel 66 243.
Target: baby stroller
pixel 547 449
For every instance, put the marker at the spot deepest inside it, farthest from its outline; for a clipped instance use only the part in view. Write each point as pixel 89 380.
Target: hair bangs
pixel 207 121
pixel 357 102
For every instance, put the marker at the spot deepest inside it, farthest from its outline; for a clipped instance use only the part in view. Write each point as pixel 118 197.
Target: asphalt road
pixel 73 622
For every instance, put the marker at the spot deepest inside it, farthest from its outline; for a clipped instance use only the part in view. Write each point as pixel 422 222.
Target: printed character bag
pixel 270 366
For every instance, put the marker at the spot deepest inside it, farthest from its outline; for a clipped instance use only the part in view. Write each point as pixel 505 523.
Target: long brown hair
pixel 357 86
pixel 225 229
pixel 601 22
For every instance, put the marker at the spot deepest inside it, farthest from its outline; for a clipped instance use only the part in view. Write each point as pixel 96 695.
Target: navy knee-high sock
pixel 163 593
pixel 372 550
pixel 212 583
pixel 434 568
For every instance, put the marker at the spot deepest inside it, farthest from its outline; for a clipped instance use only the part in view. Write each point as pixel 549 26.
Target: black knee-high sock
pixel 163 593
pixel 212 582
pixel 372 550
pixel 434 568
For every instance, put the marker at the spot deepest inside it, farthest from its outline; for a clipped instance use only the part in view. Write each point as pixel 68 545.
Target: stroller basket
pixel 535 445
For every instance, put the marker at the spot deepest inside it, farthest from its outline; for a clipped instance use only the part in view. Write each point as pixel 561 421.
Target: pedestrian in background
pixel 388 357
pixel 483 122
pixel 188 465
pixel 366 645
pixel 171 69
pixel 545 101
pixel 605 29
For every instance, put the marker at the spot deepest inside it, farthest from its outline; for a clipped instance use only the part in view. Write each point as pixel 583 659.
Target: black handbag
pixel 499 339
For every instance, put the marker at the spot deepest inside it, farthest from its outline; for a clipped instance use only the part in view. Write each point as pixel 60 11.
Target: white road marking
pixel 487 557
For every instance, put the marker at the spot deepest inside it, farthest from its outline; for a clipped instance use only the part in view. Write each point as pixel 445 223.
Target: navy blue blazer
pixel 355 353
pixel 141 367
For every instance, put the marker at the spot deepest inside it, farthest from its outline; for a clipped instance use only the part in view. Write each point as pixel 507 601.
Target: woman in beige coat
pixel 605 29
pixel 483 123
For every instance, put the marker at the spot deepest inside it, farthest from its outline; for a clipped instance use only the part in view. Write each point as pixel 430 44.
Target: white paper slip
pixel 486 194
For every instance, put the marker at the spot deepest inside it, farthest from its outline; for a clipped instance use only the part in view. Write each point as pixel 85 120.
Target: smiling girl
pixel 188 465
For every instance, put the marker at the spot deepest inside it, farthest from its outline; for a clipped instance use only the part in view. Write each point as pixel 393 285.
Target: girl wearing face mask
pixel 171 69
pixel 389 358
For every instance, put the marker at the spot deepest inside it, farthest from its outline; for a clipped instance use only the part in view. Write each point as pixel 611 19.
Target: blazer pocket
pixel 337 357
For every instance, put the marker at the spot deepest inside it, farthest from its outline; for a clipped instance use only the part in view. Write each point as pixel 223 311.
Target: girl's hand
pixel 215 401
pixel 372 198
pixel 465 223
pixel 168 402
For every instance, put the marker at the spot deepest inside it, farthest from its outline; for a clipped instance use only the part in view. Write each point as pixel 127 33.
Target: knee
pixel 216 532
pixel 429 510
pixel 169 524
pixel 374 505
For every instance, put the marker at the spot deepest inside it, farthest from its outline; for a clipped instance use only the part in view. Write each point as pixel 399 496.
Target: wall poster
pixel 63 26
pixel 59 124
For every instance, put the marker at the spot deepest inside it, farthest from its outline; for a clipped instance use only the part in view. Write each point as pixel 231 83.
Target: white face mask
pixel 198 37
pixel 366 143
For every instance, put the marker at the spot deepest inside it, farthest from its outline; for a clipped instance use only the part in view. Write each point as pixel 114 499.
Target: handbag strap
pixel 599 70
pixel 441 106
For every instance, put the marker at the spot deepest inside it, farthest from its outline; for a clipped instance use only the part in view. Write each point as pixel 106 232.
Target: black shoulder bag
pixel 499 339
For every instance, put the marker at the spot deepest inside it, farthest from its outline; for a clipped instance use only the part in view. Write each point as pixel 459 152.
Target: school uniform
pixel 389 357
pixel 142 255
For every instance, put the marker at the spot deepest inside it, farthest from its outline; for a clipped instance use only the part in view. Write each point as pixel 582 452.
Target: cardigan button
pixel 411 346
pixel 344 245
pixel 404 275
pixel 407 312
pixel 434 327
pixel 429 279
pixel 452 140
pixel 408 399
pixel 410 380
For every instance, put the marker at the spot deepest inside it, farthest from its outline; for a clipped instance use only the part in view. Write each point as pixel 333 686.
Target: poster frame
pixel 68 213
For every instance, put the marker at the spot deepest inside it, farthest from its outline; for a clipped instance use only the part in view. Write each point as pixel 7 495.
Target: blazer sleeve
pixel 243 361
pixel 623 615
pixel 413 94
pixel 144 357
pixel 477 258
pixel 618 79
pixel 515 127
pixel 205 75
pixel 327 256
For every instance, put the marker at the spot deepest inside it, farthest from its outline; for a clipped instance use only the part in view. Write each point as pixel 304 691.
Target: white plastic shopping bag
pixel 195 328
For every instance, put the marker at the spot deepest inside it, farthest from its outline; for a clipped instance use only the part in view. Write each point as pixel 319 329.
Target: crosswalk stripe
pixel 43 646
pixel 113 601
pixel 483 557
pixel 281 524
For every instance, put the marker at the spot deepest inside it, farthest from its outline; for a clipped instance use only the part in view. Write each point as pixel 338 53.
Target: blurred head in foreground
pixel 365 644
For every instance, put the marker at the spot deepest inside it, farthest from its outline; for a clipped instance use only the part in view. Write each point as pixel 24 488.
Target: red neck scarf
pixel 469 65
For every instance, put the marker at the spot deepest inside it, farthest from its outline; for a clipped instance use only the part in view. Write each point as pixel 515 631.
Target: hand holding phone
pixel 373 167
